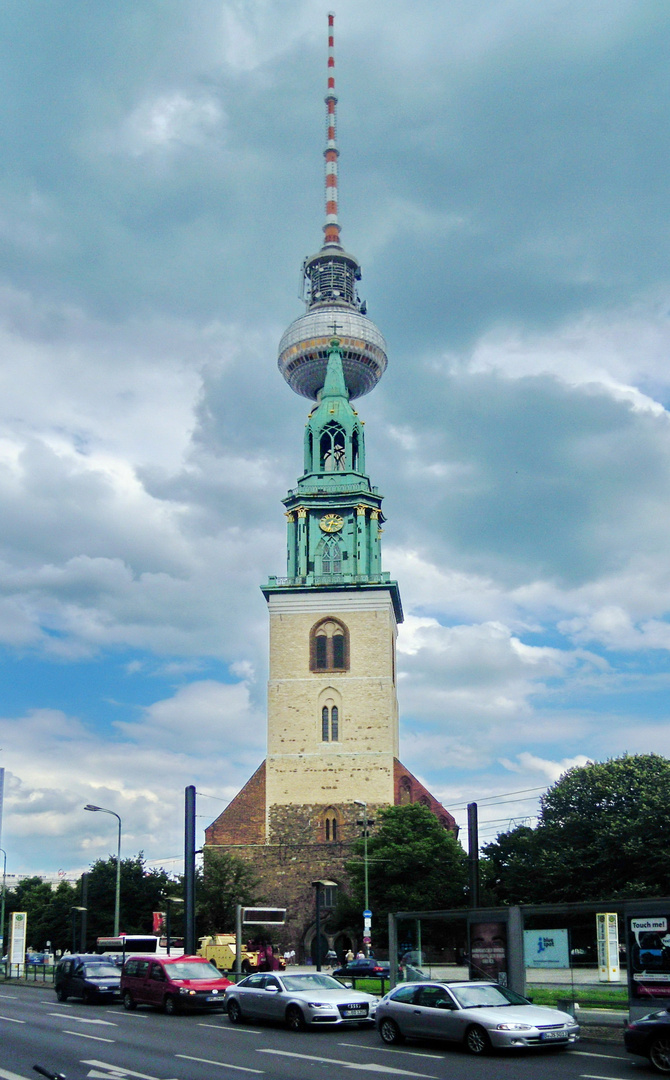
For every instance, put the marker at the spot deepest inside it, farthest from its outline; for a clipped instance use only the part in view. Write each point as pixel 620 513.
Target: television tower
pixel 331 295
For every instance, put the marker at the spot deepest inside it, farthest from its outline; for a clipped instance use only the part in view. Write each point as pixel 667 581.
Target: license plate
pixel 360 1011
pixel 547 1035
pixel 215 997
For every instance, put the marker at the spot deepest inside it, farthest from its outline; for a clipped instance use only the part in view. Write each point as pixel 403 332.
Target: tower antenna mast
pixel 331 153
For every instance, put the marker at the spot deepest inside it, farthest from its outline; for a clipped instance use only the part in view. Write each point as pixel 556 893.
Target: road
pixel 103 1042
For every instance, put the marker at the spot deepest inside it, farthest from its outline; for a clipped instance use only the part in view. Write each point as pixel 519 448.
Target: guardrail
pixel 43 973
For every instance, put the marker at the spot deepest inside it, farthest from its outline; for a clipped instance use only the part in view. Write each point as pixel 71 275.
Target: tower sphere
pixel 304 348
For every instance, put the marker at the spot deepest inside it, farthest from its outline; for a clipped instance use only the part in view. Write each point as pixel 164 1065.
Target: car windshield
pixel 191 969
pixel 310 982
pixel 100 971
pixel 485 995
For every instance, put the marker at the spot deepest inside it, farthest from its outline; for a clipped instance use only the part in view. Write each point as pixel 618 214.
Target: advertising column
pixel 607 927
pixel 17 937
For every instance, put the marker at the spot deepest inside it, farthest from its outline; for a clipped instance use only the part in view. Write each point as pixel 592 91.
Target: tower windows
pixel 330 723
pixel 332 449
pixel 331 556
pixel 330 825
pixel 329 646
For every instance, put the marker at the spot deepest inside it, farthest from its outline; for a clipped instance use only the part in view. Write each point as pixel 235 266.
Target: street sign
pixel 367 914
pixel 256 916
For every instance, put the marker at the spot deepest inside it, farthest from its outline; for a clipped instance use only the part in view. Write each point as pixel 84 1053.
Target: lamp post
pixel 366 913
pixel 74 911
pixel 117 899
pixel 2 904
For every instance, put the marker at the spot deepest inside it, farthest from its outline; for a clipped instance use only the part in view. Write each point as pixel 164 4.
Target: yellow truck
pixel 221 950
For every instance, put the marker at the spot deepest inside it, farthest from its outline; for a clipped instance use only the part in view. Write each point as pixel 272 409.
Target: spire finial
pixel 332 226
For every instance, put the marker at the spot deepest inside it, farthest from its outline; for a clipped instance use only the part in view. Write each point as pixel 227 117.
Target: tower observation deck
pixel 331 295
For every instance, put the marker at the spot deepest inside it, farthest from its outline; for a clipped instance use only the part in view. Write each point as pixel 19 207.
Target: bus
pixel 138 945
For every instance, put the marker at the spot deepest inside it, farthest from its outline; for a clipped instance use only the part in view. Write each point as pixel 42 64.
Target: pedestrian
pixel 349 958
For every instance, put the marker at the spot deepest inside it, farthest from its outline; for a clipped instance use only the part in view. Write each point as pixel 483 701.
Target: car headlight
pixel 320 1005
pixel 185 990
pixel 514 1027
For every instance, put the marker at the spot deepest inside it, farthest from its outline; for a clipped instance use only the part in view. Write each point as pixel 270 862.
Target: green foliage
pixel 48 912
pixel 603 832
pixel 414 865
pixel 224 882
pixel 142 892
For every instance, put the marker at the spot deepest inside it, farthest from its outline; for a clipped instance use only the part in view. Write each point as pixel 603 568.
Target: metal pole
pixel 473 854
pixel 359 802
pixel 317 888
pixel 238 939
pixel 2 902
pixel 189 870
pixel 84 901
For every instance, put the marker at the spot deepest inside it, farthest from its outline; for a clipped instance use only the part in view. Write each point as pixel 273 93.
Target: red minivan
pixel 172 983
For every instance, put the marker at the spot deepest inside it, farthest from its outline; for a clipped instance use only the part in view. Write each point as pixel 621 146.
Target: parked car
pixel 172 983
pixel 298 1000
pixel 87 976
pixel 361 969
pixel 650 1037
pixel 480 1015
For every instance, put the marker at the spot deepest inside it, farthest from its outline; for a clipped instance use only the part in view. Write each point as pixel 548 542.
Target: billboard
pixel 648 942
pixel 488 951
pixel 546 948
pixel 17 937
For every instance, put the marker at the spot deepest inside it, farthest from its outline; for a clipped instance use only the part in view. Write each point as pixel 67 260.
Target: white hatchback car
pixel 479 1015
pixel 298 1000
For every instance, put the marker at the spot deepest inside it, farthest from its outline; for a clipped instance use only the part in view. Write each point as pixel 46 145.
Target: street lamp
pixel 366 925
pixel 117 900
pixel 2 904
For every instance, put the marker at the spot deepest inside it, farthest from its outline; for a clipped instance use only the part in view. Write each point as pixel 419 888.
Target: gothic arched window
pixel 332 457
pixel 330 723
pixel 330 555
pixel 405 792
pixel 331 825
pixel 329 646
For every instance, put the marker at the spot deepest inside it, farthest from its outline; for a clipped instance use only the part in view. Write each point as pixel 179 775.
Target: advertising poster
pixel 488 951
pixel 17 937
pixel 546 948
pixel 607 934
pixel 648 957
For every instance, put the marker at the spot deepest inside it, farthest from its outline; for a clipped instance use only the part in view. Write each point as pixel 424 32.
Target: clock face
pixel 331 523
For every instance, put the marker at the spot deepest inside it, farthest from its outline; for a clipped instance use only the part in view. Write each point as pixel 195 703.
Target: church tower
pixel 332 721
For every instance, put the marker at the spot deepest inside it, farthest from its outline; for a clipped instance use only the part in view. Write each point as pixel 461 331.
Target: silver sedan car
pixel 479 1015
pixel 298 1000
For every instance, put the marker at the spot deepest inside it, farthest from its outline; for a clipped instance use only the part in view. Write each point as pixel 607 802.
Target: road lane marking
pixel 347 1064
pixel 96 1038
pixel 388 1050
pixel 86 1020
pixel 130 1015
pixel 10 1075
pixel 590 1076
pixel 610 1057
pixel 221 1064
pixel 229 1027
pixel 115 1071
pixel 10 997
pixel 12 1020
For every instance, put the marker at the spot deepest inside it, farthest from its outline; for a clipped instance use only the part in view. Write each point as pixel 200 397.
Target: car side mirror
pixel 272 989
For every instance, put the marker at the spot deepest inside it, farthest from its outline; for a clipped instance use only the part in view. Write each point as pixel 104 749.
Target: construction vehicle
pixel 258 955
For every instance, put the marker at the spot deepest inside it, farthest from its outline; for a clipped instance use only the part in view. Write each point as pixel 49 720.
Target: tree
pixel 603 832
pixel 143 891
pixel 414 864
pixel 48 911
pixel 224 882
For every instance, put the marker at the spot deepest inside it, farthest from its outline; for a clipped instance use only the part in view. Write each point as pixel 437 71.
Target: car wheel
pixel 295 1020
pixel 129 1002
pixel 390 1032
pixel 170 1006
pixel 659 1054
pixel 247 968
pixel 86 997
pixel 477 1041
pixel 234 1012
pixel 60 994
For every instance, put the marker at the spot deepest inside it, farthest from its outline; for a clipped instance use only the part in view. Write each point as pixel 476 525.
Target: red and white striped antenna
pixel 331 153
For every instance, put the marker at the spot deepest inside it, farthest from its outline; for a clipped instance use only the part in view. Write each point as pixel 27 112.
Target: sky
pixel 504 183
